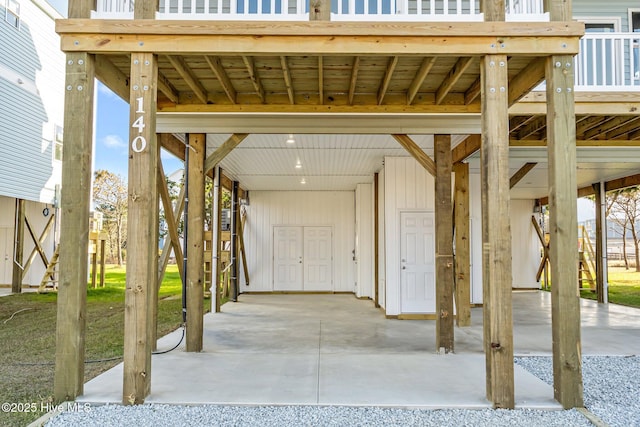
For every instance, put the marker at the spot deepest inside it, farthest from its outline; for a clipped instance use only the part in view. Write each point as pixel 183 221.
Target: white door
pixel 317 259
pixel 417 262
pixel 302 259
pixel 6 254
pixel 287 258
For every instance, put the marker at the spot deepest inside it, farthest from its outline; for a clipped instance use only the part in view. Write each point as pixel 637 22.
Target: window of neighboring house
pixel 57 143
pixel 634 27
pixel 12 13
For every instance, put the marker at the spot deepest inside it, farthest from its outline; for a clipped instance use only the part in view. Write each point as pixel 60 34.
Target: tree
pixel 110 197
pixel 626 210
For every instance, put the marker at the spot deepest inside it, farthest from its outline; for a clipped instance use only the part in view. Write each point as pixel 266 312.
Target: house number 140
pixel 139 143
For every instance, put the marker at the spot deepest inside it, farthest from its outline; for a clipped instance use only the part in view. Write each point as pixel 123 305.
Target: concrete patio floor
pixel 338 350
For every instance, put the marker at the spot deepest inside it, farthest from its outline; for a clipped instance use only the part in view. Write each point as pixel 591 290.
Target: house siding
pixel 364 240
pixel 407 186
pixel 268 209
pixel 616 8
pixel 31 104
pixel 34 214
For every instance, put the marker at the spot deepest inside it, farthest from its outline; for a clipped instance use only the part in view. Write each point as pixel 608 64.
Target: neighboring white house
pixel 31 120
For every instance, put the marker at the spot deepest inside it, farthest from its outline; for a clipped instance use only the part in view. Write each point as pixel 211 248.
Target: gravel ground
pixel 611 385
pixel 611 390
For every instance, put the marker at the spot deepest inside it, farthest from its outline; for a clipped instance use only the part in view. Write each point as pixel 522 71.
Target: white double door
pixel 302 258
pixel 417 262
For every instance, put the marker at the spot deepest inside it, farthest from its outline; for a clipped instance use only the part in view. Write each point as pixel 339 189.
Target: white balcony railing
pixel 608 62
pixel 341 10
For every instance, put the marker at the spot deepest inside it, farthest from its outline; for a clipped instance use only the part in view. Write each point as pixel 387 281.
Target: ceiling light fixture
pixel 291 140
pixel 298 164
pixel 303 181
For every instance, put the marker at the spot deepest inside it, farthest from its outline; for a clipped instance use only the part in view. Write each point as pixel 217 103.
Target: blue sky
pixel 112 126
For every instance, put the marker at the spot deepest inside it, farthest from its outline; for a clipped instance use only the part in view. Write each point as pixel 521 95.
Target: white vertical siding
pixel 364 239
pixel 475 214
pixel 312 208
pixel 407 186
pixel 33 211
pixel 524 245
pixel 381 242
pixel 32 85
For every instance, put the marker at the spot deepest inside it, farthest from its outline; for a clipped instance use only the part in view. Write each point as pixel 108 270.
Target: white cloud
pixel 113 141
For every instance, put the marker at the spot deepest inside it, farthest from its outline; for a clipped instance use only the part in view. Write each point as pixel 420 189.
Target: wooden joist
pixel 320 80
pixel 112 77
pixel 384 85
pixel 421 75
pixel 218 70
pixel 287 79
pixel 165 86
pixel 354 78
pixel 189 78
pixel 255 78
pixel 454 75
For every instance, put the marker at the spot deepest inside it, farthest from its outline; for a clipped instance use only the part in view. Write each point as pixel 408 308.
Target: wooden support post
pixel 74 224
pixel 142 248
pixel 463 251
pixel 320 10
pixel 18 248
pixel 496 232
pixel 155 289
pixel 216 239
pixel 243 253
pixel 376 243
pixel 195 239
pixel 444 244
pixel 563 226
pixel 102 261
pixel 601 255
pixel 234 243
pixel 493 10
pixel 94 266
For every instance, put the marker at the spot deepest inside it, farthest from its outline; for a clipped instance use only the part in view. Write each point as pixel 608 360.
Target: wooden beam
pixel 526 80
pixel 376 240
pixel 243 253
pixel 18 255
pixel 255 78
pixel 454 75
pixel 74 222
pixel 142 248
pixel 473 92
pixel 521 173
pixel 444 244
pixel 195 238
pixel 222 151
pixel 496 233
pixel 172 218
pixel 112 77
pixel 384 86
pixel 320 80
pixel 41 239
pixel 416 152
pixel 173 145
pixel 165 86
pixel 320 38
pixel 216 240
pixel 545 248
pixel 354 79
pixel 627 181
pixel 38 247
pixel 463 251
pixel 189 78
pixel 563 225
pixel 421 75
pixel 216 66
pixel 466 148
pixel 287 79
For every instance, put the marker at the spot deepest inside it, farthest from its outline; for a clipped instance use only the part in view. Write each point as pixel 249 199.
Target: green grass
pixel 624 287
pixel 28 338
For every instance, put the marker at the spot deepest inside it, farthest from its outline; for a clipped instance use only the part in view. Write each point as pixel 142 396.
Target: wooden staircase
pixel 50 279
pixel 586 266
